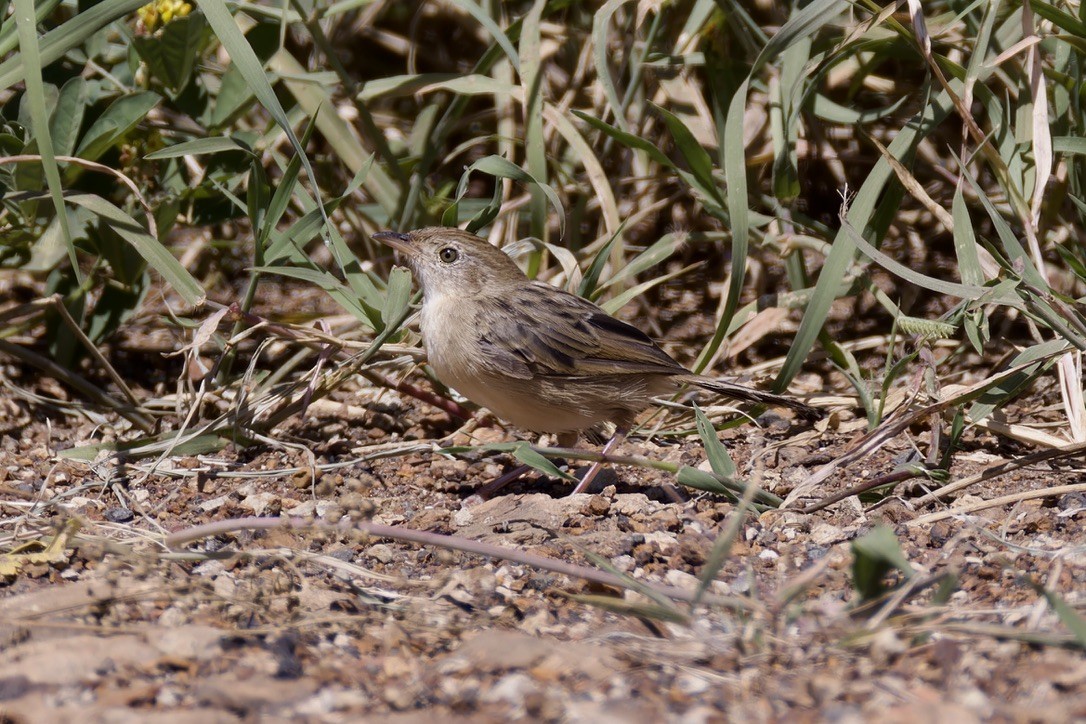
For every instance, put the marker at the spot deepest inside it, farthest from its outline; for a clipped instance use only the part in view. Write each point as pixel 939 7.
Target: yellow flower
pixel 148 16
pixel 156 14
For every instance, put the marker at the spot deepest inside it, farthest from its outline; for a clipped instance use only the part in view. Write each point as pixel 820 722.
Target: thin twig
pixel 996 471
pixel 450 542
pixel 996 502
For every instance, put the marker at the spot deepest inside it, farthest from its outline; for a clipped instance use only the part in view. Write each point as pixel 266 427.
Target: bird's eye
pixel 448 255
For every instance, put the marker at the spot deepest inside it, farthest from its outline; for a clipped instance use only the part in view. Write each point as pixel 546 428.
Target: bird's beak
pixel 399 242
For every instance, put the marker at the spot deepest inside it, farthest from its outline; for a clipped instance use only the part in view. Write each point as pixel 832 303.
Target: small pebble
pixel 118 515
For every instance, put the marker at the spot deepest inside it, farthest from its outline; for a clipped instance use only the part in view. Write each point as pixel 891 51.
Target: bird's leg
pixel 619 436
pixel 488 490
pixel 464 430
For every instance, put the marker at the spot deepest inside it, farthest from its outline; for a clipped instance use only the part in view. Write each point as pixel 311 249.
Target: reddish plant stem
pixel 451 542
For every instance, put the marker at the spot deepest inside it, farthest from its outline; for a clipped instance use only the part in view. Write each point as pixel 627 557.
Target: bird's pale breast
pixel 539 404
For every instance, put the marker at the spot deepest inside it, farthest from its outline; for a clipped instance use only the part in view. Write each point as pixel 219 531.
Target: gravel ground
pixel 325 623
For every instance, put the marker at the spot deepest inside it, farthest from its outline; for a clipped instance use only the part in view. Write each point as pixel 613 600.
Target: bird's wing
pixel 542 330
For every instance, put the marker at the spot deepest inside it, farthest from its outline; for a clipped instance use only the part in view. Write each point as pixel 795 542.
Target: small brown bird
pixel 536 356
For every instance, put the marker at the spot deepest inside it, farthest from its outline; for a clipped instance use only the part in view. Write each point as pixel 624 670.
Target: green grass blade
pixel 722 547
pixel 398 295
pixel 492 28
pixel 9 36
pixel 319 104
pixel 843 250
pixel 579 148
pixel 534 151
pixel 151 249
pixel 735 169
pixel 791 91
pixel 284 190
pixel 525 454
pixel 39 116
pixel 719 459
pixel 1043 356
pixel 802 25
pixel 325 281
pixel 941 286
pixel 1070 618
pixel 601 21
pixel 200 146
pixel 589 288
pixel 504 168
pixel 1059 18
pixel 621 300
pixel 965 243
pixel 1011 246
pixel 696 157
pixel 245 60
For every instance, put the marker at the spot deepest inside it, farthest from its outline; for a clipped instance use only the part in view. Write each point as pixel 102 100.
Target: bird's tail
pixel 749 394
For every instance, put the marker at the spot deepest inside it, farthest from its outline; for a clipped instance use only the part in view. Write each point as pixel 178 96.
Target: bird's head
pixel 448 261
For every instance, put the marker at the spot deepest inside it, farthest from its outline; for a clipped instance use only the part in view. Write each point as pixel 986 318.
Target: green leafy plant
pixel 874 556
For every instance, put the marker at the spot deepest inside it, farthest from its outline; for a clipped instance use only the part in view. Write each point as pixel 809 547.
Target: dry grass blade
pixel 913 186
pixel 894 426
pixel 880 481
pixel 999 632
pixel 1054 491
pixel 1022 433
pixel 342 350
